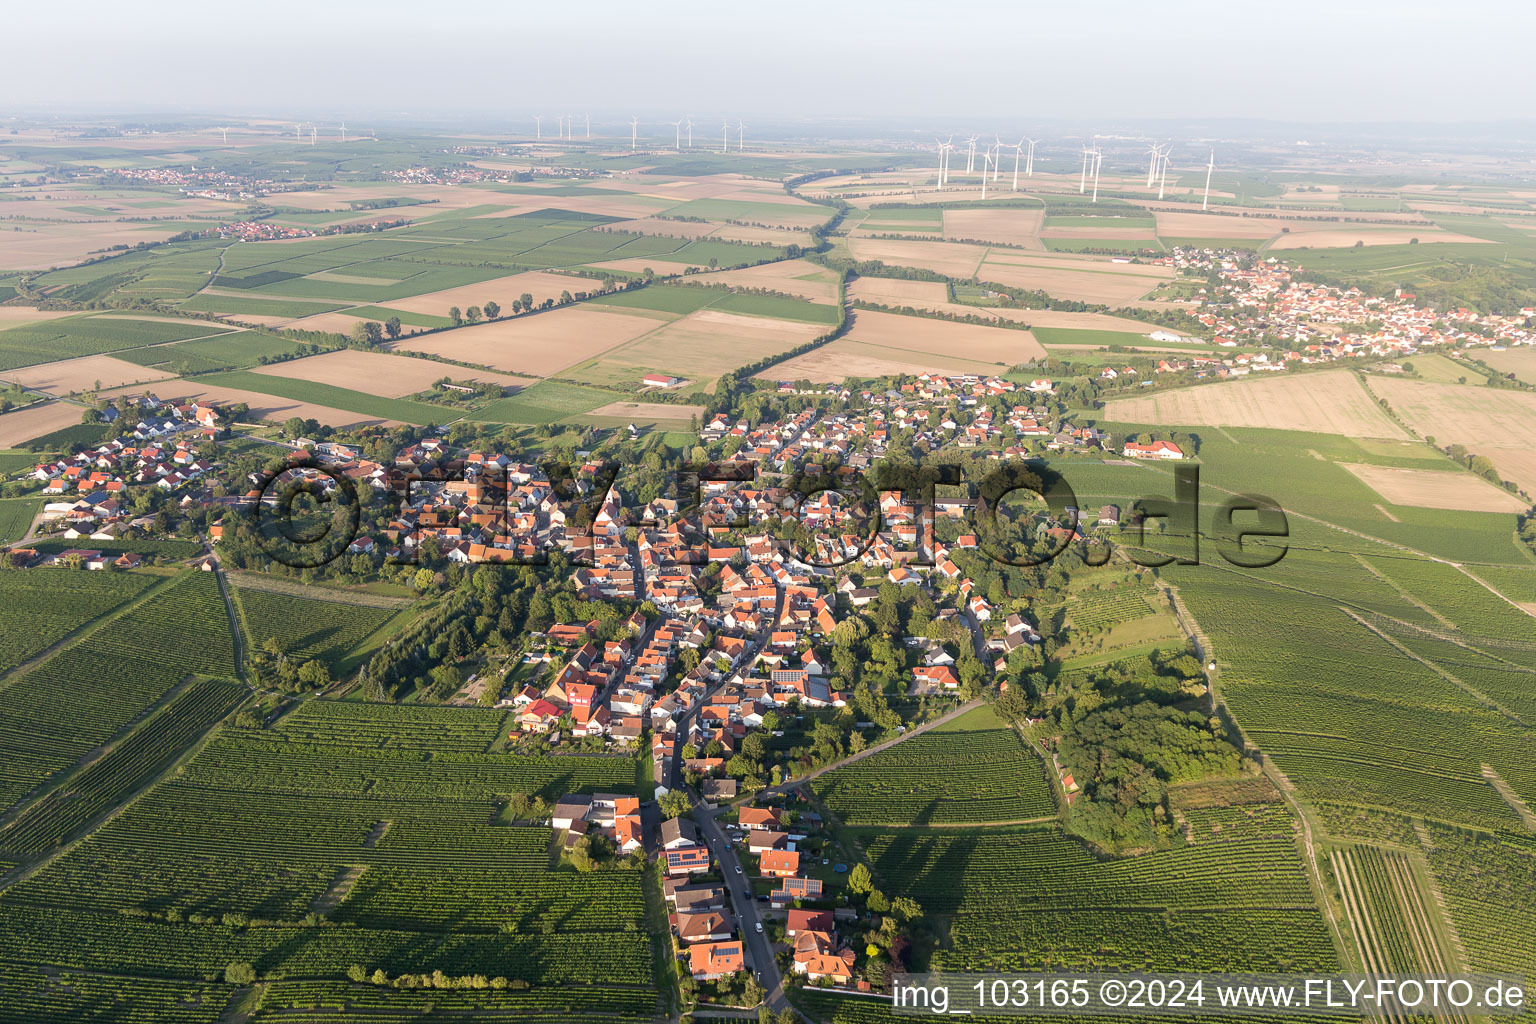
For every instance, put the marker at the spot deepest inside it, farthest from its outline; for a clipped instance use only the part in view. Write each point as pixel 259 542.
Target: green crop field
pixel 144 754
pixel 1036 899
pixel 972 769
pixel 87 336
pixel 233 351
pixel 14 460
pixel 38 609
pixel 83 695
pixel 383 814
pixel 544 402
pixel 333 397
pixel 327 630
pixel 16 515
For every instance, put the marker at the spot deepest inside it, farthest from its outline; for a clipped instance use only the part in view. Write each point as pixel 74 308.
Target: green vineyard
pixel 972 769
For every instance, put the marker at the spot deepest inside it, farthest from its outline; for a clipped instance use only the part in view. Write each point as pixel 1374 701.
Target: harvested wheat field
pixel 20 316
pixel 1519 361
pixel 844 358
pixel 1343 238
pixel 793 277
pixel 953 258
pixel 639 264
pixel 1436 488
pixel 1006 227
pixel 1113 284
pixel 538 345
pixel 1329 402
pixel 653 413
pixel 1108 230
pixel 934 295
pixel 262 406
pixel 81 374
pixel 890 291
pixel 374 373
pixel 540 284
pixel 1493 422
pixel 1179 224
pixel 37 420
pixel 752 234
pixel 708 343
pixel 938 340
pixel 669 228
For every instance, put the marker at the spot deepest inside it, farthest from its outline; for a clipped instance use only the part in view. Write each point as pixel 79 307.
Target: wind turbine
pixel 1029 162
pixel 589 126
pixel 298 130
pixel 740 127
pixel 677 136
pixel 997 156
pixel 314 133
pixel 1156 154
pixel 634 125
pixel 1082 179
pixel 940 146
pixel 690 133
pixel 725 135
pixel 343 131
pixel 538 126
pixel 1208 169
pixel 1018 151
pixel 226 133
pixel 986 165
pixel 970 155
pixel 1162 184
pixel 1098 161
pixel 570 126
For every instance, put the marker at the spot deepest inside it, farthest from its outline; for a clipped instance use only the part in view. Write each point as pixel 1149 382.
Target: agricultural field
pixel 1034 898
pixel 307 628
pixel 971 770
pixel 382 816
pixel 1445 489
pixel 38 609
pixel 387 376
pixel 16 515
pixel 86 336
pixel 86 373
pixel 82 696
pixel 36 421
pixel 700 346
pixel 1494 423
pixel 1083 279
pixel 541 345
pixel 1519 361
pixel 1331 401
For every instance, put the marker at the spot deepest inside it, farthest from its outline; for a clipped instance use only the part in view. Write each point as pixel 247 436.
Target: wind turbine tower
pixel 740 128
pixel 226 133
pixel 725 135
pixel 970 155
pixel 677 136
pixel 1098 161
pixel 1018 151
pixel 1162 184
pixel 1082 179
pixel 589 126
pixel 634 125
pixel 538 126
pixel 343 131
pixel 1029 161
pixel 690 133
pixel 314 134
pixel 1208 169
pixel 997 156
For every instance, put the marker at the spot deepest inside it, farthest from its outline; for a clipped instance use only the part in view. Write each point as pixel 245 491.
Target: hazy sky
pixel 1305 60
